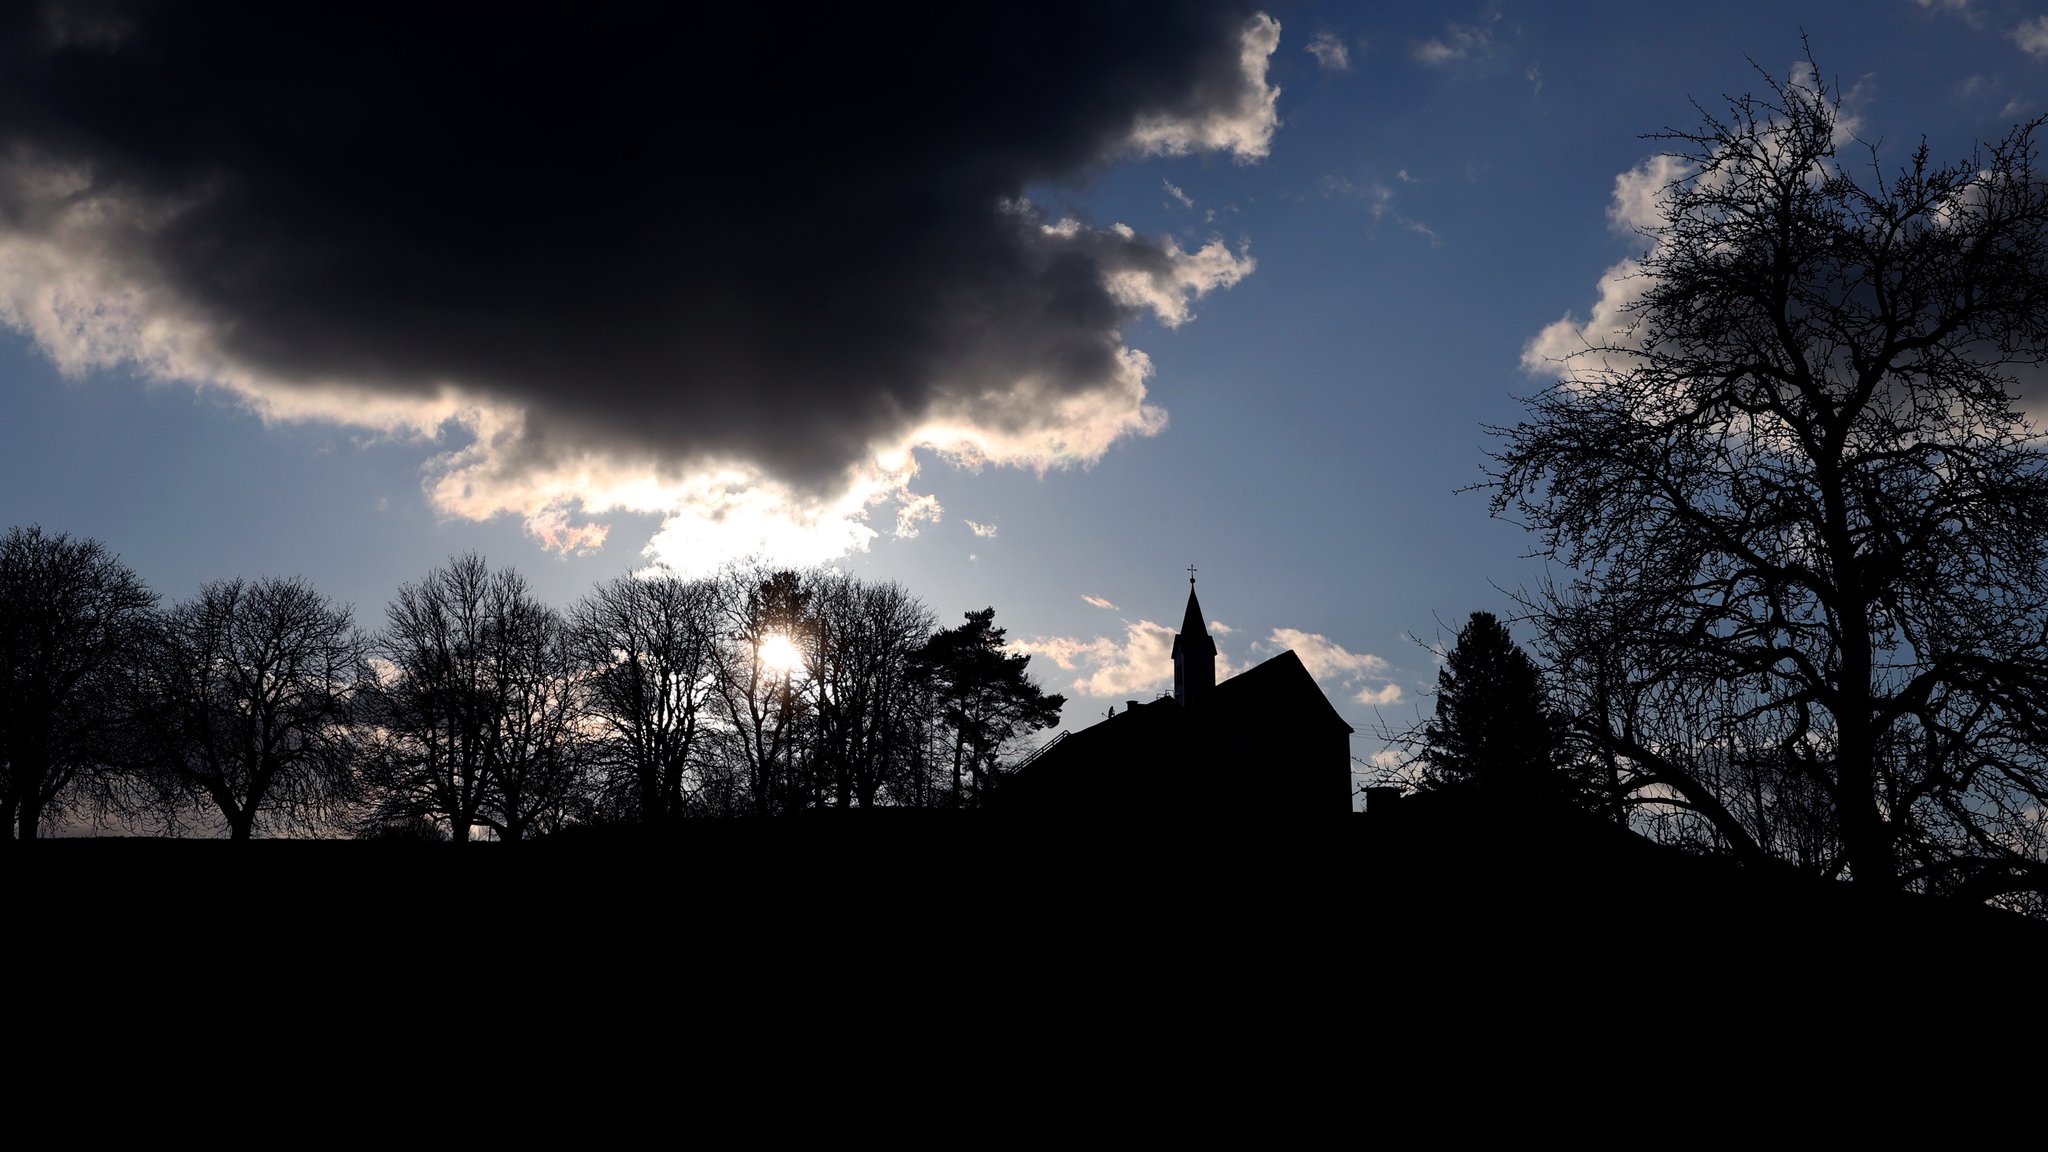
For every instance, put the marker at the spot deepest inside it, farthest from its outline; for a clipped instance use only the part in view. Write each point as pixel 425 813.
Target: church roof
pixel 1263 741
pixel 1193 633
pixel 1280 689
pixel 1266 739
pixel 1278 692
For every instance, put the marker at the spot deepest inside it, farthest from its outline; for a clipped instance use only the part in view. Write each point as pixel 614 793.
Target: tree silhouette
pixel 250 701
pixel 1804 508
pixel 769 630
pixel 649 647
pixel 864 680
pixel 986 698
pixel 1493 726
pixel 72 618
pixel 474 702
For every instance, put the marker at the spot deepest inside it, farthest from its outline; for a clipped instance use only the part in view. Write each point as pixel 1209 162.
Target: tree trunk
pixel 653 802
pixel 31 815
pixel 959 743
pixel 1865 838
pixel 671 798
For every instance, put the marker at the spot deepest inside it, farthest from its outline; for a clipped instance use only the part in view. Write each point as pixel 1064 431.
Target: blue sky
pixel 1360 278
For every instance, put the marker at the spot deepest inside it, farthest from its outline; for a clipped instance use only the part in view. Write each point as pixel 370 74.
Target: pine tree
pixel 1493 727
pixel 985 695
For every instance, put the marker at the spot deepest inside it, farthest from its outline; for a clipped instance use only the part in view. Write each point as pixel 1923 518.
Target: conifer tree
pixel 1493 726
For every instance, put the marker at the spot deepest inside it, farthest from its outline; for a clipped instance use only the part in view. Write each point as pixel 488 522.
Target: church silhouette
pixel 1265 743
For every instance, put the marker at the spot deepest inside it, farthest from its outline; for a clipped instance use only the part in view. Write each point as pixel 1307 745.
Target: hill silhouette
pixel 1425 895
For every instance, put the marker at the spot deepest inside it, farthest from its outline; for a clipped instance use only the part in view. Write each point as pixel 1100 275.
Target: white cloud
pixel 1135 665
pixel 1378 201
pixel 1459 42
pixel 2032 37
pixel 1970 11
pixel 1139 663
pixel 1161 277
pixel 1244 128
pixel 1383 695
pixel 1360 676
pixel 1168 289
pixel 981 529
pixel 1098 601
pixel 552 529
pixel 1562 349
pixel 1330 52
pixel 1324 658
pixel 1583 353
pixel 1638 193
pixel 914 510
pixel 1175 191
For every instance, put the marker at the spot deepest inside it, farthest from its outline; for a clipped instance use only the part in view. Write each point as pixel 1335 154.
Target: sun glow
pixel 779 654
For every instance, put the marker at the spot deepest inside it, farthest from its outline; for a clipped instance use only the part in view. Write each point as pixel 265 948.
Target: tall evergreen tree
pixel 986 698
pixel 1493 726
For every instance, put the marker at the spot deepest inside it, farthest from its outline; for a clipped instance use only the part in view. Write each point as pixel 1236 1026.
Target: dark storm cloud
pixel 776 238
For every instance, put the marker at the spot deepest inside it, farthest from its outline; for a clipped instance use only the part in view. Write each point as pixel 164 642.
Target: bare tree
pixel 72 618
pixel 864 682
pixel 538 771
pixel 649 647
pixel 250 699
pixel 764 711
pixel 1803 508
pixel 473 705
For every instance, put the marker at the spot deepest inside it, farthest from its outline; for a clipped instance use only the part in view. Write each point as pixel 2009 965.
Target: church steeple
pixel 1194 653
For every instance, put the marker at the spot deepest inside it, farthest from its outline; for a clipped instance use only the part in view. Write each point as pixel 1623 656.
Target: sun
pixel 779 654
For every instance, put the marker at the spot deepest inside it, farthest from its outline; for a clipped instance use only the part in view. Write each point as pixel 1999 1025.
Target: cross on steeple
pixel 1194 652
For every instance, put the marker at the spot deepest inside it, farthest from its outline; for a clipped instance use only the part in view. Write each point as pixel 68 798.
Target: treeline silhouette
pixel 1793 497
pixel 261 708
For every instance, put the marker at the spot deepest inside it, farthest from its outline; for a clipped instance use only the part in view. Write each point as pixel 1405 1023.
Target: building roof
pixel 1279 690
pixel 1266 740
pixel 1193 633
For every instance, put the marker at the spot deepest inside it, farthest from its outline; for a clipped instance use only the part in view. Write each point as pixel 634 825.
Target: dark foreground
pixel 1375 910
pixel 1248 981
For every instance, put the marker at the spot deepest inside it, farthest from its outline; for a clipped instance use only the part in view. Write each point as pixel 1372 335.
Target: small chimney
pixel 1130 704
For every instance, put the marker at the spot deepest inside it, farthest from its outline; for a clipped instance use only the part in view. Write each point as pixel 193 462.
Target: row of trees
pixel 1801 516
pixel 260 708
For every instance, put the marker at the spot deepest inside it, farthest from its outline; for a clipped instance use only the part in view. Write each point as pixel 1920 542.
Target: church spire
pixel 1194 652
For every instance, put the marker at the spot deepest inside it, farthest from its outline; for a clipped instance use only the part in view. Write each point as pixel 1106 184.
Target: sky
pixel 1030 308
